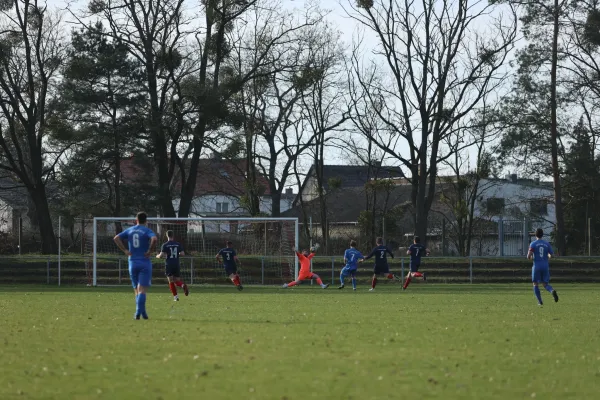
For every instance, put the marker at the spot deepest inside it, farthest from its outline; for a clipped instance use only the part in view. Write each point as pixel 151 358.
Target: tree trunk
pixel 276 204
pixel 421 209
pixel 560 221
pixel 188 187
pixel 44 220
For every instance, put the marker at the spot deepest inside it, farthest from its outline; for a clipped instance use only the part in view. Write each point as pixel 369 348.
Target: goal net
pixel 264 247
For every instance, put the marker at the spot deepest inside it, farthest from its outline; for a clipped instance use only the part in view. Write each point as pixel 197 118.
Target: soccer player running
pixel 540 252
pixel 416 251
pixel 171 250
pixel 381 265
pixel 230 261
pixel 305 272
pixel 141 241
pixel 351 257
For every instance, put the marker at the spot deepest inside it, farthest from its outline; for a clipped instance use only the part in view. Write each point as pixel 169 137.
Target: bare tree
pixel 459 190
pixel 31 54
pixel 325 109
pixel 271 103
pixel 436 68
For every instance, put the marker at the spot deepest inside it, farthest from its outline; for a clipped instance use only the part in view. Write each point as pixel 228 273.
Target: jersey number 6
pixel 136 240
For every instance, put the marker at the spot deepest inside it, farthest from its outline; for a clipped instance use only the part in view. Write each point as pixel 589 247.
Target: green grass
pixel 430 342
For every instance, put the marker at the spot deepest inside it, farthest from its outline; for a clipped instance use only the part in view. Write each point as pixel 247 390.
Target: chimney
pixel 289 192
pixel 513 178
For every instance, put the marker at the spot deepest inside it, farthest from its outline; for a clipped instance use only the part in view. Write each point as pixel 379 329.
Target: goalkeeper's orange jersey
pixel 304 262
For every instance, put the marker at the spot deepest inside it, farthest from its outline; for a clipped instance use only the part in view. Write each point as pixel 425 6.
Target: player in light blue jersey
pixel 540 252
pixel 351 257
pixel 140 242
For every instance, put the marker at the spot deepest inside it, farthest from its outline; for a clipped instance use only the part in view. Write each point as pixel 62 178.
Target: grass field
pixel 430 342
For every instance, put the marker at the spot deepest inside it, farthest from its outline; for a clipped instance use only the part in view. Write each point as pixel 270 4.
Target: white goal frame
pixel 223 219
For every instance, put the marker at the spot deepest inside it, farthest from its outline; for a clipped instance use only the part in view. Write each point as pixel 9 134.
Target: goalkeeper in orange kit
pixel 305 272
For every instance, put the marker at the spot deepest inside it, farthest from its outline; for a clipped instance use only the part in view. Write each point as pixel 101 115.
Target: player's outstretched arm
pixel 371 254
pixel 389 251
pixel 119 242
pixel 161 255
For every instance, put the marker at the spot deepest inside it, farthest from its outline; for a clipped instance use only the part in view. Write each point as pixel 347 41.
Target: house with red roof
pixel 220 186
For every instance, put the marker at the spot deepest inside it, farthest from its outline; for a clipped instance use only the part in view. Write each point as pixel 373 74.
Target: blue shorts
pixel 347 271
pixel 414 267
pixel 540 274
pixel 140 272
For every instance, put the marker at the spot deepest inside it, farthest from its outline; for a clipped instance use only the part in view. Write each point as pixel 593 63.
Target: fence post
pixel 402 268
pixel 120 274
pixel 501 235
pixel 262 270
pixel 332 270
pixel 470 269
pixel 59 245
pixel 192 271
pixel 48 271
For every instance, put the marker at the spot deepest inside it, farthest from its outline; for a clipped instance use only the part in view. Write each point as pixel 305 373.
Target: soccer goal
pixel 264 247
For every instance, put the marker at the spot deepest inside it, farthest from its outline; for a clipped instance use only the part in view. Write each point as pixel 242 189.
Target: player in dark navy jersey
pixel 230 261
pixel 381 264
pixel 140 242
pixel 171 250
pixel 416 251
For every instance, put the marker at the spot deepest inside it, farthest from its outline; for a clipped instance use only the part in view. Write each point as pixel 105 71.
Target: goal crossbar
pixel 190 219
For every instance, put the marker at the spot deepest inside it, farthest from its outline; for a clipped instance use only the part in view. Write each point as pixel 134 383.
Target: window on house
pixel 538 206
pixel 222 208
pixel 495 205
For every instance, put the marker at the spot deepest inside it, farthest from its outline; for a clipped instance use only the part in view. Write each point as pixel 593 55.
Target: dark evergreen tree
pixel 102 101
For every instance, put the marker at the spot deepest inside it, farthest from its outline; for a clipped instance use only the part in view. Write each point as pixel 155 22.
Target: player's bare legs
pixel 411 275
pixel 388 275
pixel 172 287
pixel 549 288
pixel 174 282
pixel 313 276
pixel 141 302
pixel 235 278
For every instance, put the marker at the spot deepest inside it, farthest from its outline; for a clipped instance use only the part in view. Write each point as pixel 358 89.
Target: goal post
pixel 264 246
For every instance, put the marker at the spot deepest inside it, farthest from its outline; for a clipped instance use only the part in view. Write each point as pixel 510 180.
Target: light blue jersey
pixel 138 239
pixel 352 256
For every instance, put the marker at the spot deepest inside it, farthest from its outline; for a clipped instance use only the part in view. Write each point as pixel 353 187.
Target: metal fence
pixel 53 270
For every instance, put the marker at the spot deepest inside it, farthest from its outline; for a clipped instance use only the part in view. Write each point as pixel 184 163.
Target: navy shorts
pixel 173 270
pixel 230 270
pixel 414 267
pixel 381 269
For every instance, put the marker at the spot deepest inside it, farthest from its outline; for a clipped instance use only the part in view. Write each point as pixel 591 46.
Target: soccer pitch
pixel 430 342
